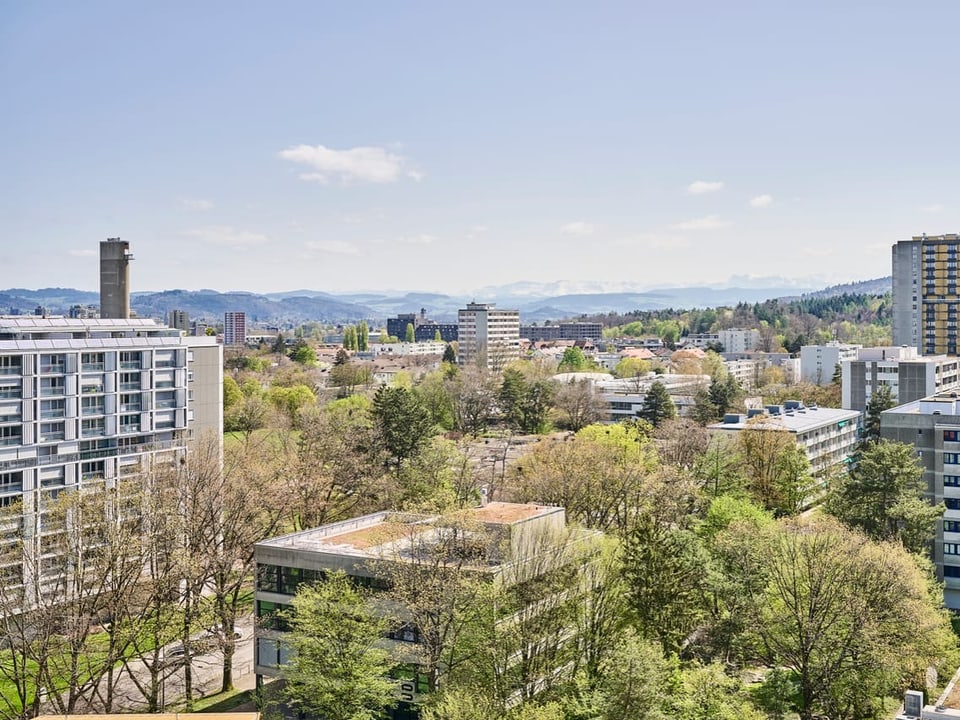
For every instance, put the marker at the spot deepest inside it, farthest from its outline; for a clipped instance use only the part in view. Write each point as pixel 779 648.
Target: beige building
pixel 488 336
pixel 925 296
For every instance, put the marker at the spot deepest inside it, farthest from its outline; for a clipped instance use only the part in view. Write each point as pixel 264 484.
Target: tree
pixel 724 394
pixel 449 356
pixel 681 442
pixel 304 354
pixel 290 400
pixel 834 610
pixel 657 405
pixel 776 470
pixel 403 423
pixel 337 670
pixel 437 337
pixel 573 360
pixel 278 344
pixel 341 358
pixel 884 496
pixel 631 368
pixel 410 334
pixel 880 399
pixel 580 403
pixel 231 393
pixel 363 337
pixel 350 338
pixel 525 404
pixel 704 411
pixel 350 375
pixel 473 396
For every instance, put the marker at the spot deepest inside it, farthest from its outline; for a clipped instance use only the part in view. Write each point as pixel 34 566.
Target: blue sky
pixel 445 146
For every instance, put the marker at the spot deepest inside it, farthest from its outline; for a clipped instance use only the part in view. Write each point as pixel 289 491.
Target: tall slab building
pixel 925 295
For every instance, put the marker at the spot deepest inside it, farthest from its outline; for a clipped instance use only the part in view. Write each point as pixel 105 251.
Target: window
pixel 92 362
pixel 93 427
pixel 951 436
pixel 52 386
pixel 11 364
pixel 91 405
pixel 129 423
pixel 130 360
pixel 53 408
pixel 166 400
pixel 10 392
pixel 130 381
pixel 53 363
pixel 130 402
pixel 951 571
pixel 951 525
pixel 93 469
pixel 951 480
pixel 11 435
pixel 951 548
pixel 51 431
pixel 267 615
pixel 951 458
pixel 11 482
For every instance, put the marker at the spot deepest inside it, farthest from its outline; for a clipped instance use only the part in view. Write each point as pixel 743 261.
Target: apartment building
pixel 563 331
pixel 932 426
pixel 818 363
pixel 827 436
pixel 738 340
pixel 505 543
pixel 488 336
pixel 909 376
pixel 424 329
pixel 925 297
pixel 84 402
pixel 234 328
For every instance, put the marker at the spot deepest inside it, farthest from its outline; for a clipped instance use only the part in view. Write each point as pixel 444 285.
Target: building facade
pixel 115 257
pixel 179 320
pixel 504 543
pixel 234 328
pixel 563 331
pixel 909 376
pixel 84 403
pixel 827 436
pixel 424 329
pixel 818 363
pixel 736 340
pixel 925 296
pixel 932 426
pixel 488 336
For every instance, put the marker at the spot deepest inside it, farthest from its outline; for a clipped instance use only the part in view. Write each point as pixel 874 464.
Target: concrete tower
pixel 115 257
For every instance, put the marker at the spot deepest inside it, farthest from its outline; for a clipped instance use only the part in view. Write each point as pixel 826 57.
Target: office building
pixel 932 426
pixel 424 329
pixel 234 328
pixel 827 436
pixel 115 257
pixel 85 402
pixel 563 331
pixel 819 363
pixel 507 544
pixel 487 336
pixel 909 376
pixel 925 297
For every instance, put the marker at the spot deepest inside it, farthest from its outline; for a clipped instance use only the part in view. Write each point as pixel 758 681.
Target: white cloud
pixel 932 208
pixel 578 228
pixel 227 236
pixel 415 175
pixel 710 222
pixel 189 204
pixel 761 201
pixel 334 247
pixel 359 164
pixel 701 187
pixel 83 253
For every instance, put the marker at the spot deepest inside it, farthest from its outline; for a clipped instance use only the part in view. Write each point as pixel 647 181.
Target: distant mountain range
pixel 536 302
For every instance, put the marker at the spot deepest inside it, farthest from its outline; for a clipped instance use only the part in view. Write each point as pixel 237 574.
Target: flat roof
pixel 795 421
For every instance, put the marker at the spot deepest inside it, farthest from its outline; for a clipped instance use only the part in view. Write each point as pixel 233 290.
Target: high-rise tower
pixel 926 300
pixel 115 257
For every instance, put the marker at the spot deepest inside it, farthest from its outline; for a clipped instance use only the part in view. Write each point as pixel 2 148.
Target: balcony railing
pixel 11 370
pixel 130 407
pixel 92 367
pixel 53 369
pixel 130 385
pixel 52 391
pixel 92 410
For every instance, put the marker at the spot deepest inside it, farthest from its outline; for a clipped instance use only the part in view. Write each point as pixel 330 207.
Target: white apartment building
pixel 402 349
pixel 819 362
pixel 738 340
pixel 827 436
pixel 84 402
pixel 909 376
pixel 488 336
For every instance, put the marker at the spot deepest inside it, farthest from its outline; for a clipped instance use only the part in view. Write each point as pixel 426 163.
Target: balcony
pixel 53 369
pixel 130 407
pixel 129 385
pixel 52 436
pixel 130 365
pixel 52 414
pixel 11 370
pixel 93 410
pixel 93 367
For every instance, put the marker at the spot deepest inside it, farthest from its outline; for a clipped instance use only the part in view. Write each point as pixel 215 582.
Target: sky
pixel 452 146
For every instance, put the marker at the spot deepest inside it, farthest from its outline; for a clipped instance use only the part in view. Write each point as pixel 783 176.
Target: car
pixel 216 631
pixel 175 652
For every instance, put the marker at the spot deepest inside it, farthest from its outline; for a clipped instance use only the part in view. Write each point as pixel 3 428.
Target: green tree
pixel 231 393
pixel 573 360
pixel 304 354
pixel 884 496
pixel 338 671
pixel 704 411
pixel 410 334
pixel 635 680
pixel 724 394
pixel 880 399
pixel 437 337
pixel 290 400
pixel 403 423
pixel 657 405
pixel 363 337
pixel 449 356
pixel 278 344
pixel 631 368
pixel 350 338
pixel 525 404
